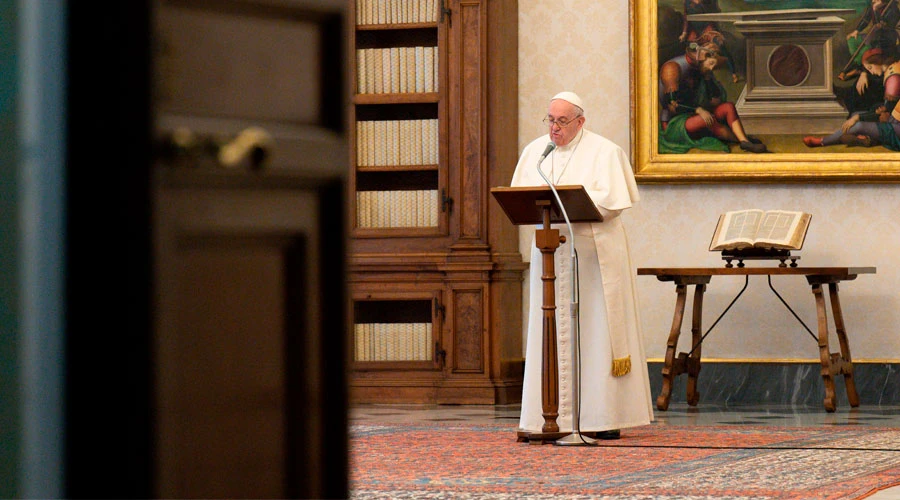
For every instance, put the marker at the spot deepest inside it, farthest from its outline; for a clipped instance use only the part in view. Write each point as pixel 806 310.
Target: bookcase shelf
pixel 392 333
pixel 384 36
pixel 391 13
pixel 405 26
pixel 397 98
pixel 397 168
pixel 432 101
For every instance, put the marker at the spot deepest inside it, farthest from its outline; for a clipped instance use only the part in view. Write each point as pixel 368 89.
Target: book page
pixel 776 226
pixel 742 225
pixel 783 229
pixel 736 229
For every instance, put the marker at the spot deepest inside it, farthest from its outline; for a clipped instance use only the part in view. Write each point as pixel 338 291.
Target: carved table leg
pixel 824 352
pixel 693 363
pixel 845 363
pixel 668 371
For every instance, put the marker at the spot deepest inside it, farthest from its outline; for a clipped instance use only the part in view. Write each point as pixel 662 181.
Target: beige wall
pixel 582 45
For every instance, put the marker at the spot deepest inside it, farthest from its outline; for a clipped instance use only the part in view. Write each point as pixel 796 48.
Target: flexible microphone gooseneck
pixel 549 149
pixel 575 438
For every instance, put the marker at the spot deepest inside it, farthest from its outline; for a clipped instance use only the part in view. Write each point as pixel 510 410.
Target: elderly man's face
pixel 561 111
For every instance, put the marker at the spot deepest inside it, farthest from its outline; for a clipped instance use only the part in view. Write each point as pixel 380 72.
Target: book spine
pixel 420 69
pixel 369 12
pixel 395 12
pixel 378 71
pixel 381 15
pixel 419 208
pixel 358 353
pixel 429 341
pixel 382 127
pixel 410 69
pixel 428 70
pixel 369 61
pixel 386 70
pixel 433 208
pixel 397 140
pixel 395 69
pixel 360 71
pixel 402 70
pixel 436 66
pixel 404 142
pixel 417 142
pixel 394 208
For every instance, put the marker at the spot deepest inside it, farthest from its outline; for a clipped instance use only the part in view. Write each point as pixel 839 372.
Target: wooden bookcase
pixel 435 272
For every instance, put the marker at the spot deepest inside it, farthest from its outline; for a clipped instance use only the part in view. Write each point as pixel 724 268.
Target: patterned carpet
pixel 464 461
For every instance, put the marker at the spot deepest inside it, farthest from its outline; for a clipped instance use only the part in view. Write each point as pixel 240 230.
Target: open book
pixel 760 229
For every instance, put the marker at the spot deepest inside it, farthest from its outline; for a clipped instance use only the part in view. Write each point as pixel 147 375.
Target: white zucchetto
pixel 570 97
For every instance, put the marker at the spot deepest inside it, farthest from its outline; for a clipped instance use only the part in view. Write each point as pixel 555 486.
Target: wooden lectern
pixel 537 205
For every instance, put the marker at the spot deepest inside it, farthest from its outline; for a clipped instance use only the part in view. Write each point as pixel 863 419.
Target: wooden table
pixel 832 363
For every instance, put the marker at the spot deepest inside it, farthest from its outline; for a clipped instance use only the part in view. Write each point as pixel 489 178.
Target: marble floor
pixel 677 414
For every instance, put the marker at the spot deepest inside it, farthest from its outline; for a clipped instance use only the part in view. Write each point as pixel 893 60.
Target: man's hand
pixel 862 83
pixel 849 123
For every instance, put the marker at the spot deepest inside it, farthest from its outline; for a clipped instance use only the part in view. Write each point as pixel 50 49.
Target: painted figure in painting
pixel 880 125
pixel 694 110
pixel 880 18
pixel 692 30
pixel 877 28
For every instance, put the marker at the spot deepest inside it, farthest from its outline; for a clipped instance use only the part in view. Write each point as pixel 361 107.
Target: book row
pixel 397 70
pixel 414 208
pixel 396 11
pixel 392 342
pixel 397 142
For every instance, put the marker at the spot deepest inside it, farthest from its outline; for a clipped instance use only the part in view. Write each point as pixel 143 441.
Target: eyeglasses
pixel 561 122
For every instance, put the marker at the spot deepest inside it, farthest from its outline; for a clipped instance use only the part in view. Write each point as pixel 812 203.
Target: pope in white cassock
pixel 615 389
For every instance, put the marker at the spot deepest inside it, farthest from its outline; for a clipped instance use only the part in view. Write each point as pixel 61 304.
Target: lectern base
pixel 539 437
pixel 576 439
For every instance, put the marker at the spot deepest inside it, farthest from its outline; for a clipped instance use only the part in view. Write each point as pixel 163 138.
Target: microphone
pixel 550 147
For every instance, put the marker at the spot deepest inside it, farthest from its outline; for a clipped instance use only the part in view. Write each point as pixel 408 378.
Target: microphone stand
pixel 575 438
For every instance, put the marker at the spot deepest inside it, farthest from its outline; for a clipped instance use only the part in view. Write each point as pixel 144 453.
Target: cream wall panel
pixel 582 46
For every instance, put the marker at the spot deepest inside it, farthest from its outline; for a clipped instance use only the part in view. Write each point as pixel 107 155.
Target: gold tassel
pixel 621 366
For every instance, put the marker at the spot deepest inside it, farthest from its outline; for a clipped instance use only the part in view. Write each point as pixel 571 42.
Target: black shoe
pixel 753 148
pixel 611 434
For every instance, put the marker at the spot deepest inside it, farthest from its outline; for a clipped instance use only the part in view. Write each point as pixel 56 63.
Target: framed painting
pixel 764 91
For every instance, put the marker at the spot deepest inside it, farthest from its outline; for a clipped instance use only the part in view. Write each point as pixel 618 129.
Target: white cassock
pixel 609 320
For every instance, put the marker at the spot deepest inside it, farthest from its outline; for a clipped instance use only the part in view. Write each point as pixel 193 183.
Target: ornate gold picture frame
pixel 779 111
